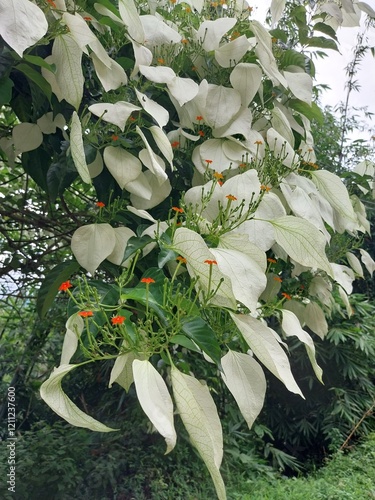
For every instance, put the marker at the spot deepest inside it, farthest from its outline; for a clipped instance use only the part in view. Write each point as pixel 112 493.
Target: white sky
pixel 331 70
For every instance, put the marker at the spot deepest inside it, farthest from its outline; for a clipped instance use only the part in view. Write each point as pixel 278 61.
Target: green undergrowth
pixel 347 476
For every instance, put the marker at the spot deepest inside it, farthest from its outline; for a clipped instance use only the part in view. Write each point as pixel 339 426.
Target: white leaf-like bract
pixel 246 381
pixel 26 137
pixel 22 24
pixel 183 89
pixel 229 54
pixel 154 165
pixel 129 14
pixel 281 148
pixel 300 85
pixel 241 242
pixel 67 56
pixel 155 400
pixel 74 327
pixel 160 114
pixel 147 192
pixel 158 32
pixel 292 327
pixel 211 32
pixel 51 392
pixel 277 8
pixel 79 30
pixel 315 319
pixel 122 235
pixel 344 275
pixel 222 105
pixel 157 74
pixel 334 191
pixel 302 241
pixel 368 261
pixel 124 166
pixel 191 245
pixel 96 167
pixel 122 371
pixel 199 415
pixel 163 143
pixel 92 244
pixel 247 278
pixel 246 79
pixel 265 346
pixel 117 113
pixel 111 78
pixel 77 149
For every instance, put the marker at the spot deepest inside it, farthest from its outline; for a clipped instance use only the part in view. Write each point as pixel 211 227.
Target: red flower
pixel 178 209
pixel 201 133
pixel 118 320
pixel 100 204
pixel 85 314
pixel 273 261
pixel 199 118
pixel 147 280
pixel 287 296
pixel 52 4
pixel 210 262
pixel 64 286
pixel 175 144
pixel 114 137
pixel 277 278
pixel 208 162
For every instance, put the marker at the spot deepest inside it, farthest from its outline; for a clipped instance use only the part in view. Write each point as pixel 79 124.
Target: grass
pixel 347 476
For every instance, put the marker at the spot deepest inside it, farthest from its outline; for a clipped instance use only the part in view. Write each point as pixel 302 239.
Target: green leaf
pixel 37 78
pixel 203 335
pixel 6 86
pixel 50 286
pixel 312 112
pixel 279 34
pixel 184 341
pixel 166 255
pixel 326 29
pixel 135 243
pixel 51 392
pixel 292 58
pixel 321 42
pixel 38 61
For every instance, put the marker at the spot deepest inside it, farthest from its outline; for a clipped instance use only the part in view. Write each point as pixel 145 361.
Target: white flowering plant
pixel 187 126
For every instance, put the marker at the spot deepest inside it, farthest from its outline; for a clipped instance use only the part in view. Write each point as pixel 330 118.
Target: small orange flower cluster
pixel 230 197
pixel 277 278
pixel 85 314
pixel 286 296
pixel 100 204
pixel 114 137
pixel 65 286
pixel 218 175
pixel 265 188
pixel 210 262
pixel 118 320
pixel 181 259
pixel 175 144
pixel 271 260
pixel 148 281
pixel 52 4
pixel 178 210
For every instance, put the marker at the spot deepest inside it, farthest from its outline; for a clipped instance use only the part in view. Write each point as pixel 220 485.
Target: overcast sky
pixel 331 70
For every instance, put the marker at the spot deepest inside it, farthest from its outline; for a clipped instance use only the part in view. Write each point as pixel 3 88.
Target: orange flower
pixel 208 162
pixel 65 286
pixel 264 188
pixel 87 18
pixel 52 4
pixel 277 278
pixel 231 197
pixel 287 296
pixel 199 118
pixel 218 175
pixel 220 183
pixel 114 137
pixel 242 165
pixel 184 41
pixel 258 143
pixel 131 118
pixel 178 210
pixel 85 314
pixel 147 280
pixel 175 144
pixel 118 320
pixel 181 259
pixel 160 60
pixel 100 204
pixel 273 261
pixel 201 133
pixel 210 262
pixel 193 68
pixel 188 10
